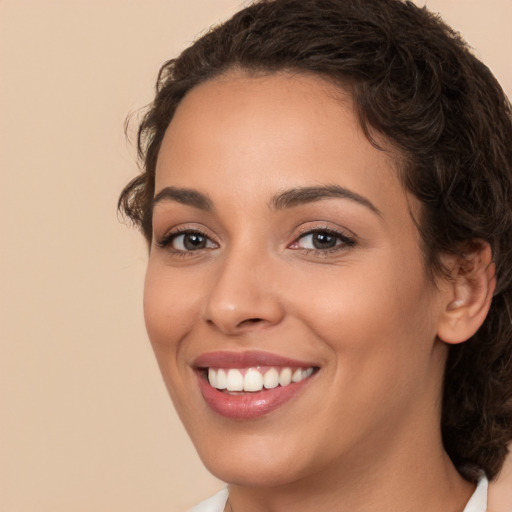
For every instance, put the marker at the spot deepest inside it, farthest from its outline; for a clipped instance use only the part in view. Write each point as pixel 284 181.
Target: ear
pixel 469 292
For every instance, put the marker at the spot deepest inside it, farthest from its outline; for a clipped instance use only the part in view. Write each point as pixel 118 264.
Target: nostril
pixel 251 321
pixel 247 321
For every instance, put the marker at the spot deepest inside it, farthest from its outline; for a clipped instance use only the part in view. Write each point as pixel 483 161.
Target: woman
pixel 327 192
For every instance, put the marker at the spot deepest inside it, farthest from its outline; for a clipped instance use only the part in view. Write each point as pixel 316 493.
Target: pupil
pixel 194 241
pixel 324 241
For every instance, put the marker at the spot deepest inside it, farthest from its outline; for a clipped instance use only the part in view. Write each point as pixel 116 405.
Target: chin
pixel 252 462
pixel 250 473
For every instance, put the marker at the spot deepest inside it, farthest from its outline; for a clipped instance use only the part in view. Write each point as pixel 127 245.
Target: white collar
pixel 214 504
pixel 477 502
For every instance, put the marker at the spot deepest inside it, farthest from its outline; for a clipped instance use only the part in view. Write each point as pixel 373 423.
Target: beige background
pixel 85 421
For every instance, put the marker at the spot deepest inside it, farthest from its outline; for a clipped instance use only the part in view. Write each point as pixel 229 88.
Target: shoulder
pixel 214 504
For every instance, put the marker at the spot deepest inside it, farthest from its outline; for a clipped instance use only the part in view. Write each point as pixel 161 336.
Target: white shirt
pixel 214 504
pixel 477 503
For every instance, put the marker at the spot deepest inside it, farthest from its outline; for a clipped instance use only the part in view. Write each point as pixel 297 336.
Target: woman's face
pixel 284 248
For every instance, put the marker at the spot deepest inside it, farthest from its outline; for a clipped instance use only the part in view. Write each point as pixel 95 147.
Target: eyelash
pixel 344 241
pixel 166 241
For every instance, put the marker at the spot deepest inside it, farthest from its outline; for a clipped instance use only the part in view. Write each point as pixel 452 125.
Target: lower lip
pixel 248 405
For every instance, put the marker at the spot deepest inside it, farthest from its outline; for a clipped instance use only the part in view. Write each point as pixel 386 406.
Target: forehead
pixel 273 131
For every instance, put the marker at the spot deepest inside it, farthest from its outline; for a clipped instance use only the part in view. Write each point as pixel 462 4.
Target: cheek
pixel 380 336
pixel 169 313
pixel 168 308
pixel 373 314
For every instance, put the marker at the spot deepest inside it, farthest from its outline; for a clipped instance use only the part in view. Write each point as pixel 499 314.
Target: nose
pixel 243 295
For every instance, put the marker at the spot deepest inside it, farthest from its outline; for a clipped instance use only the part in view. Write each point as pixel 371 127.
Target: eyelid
pixel 171 234
pixel 347 238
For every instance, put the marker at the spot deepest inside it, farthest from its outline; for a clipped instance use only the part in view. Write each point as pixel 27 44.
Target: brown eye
pixel 322 240
pixel 319 240
pixel 187 241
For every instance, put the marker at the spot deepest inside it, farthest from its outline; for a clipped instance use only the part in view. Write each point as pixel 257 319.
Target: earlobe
pixel 468 294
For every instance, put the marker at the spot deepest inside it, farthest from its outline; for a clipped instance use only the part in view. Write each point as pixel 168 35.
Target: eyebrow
pixel 287 199
pixel 186 196
pixel 303 195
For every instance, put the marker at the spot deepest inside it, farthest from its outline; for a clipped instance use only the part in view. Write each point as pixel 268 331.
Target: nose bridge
pixel 242 294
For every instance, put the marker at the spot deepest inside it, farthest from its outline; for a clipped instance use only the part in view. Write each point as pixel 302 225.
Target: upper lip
pixel 248 359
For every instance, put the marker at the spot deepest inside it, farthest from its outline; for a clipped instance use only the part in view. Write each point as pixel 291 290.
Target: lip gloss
pixel 247 405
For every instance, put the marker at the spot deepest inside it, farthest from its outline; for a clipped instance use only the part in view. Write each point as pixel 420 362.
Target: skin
pixel 363 434
pixel 500 491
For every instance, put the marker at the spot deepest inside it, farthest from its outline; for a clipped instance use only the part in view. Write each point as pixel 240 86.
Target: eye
pixel 186 241
pixel 318 240
pixel 322 240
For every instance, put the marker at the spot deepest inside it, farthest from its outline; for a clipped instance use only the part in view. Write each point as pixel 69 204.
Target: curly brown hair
pixel 415 81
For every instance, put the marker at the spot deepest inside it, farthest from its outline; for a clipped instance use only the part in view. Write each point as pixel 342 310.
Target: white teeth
pixel 212 378
pixel 222 380
pixel 297 375
pixel 271 379
pixel 254 380
pixel 235 380
pixel 285 377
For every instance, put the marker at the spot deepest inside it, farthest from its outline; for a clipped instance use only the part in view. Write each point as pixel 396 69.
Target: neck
pixel 401 478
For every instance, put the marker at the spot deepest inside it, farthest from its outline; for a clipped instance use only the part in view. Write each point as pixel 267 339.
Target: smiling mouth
pixel 252 384
pixel 255 379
